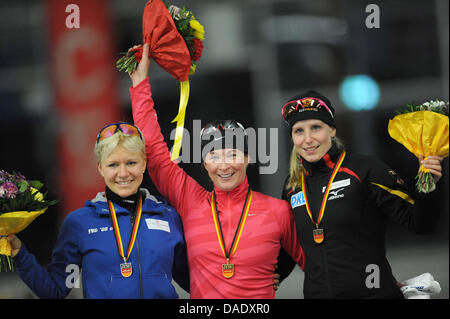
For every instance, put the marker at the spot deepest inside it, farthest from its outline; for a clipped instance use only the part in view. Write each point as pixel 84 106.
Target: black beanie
pixel 311 109
pixel 222 134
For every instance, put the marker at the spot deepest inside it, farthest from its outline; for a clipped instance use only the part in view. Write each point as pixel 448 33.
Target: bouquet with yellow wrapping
pixel 20 203
pixel 423 130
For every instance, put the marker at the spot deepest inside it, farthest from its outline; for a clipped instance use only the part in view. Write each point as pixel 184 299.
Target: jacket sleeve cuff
pixel 142 83
pixel 21 255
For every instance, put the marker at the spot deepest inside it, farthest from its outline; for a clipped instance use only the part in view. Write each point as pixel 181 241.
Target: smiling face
pixel 226 168
pixel 123 171
pixel 312 139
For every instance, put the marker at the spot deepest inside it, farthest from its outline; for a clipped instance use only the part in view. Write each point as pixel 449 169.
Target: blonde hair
pixel 296 167
pixel 130 142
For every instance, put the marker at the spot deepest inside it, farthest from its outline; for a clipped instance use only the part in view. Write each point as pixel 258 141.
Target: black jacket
pixel 351 261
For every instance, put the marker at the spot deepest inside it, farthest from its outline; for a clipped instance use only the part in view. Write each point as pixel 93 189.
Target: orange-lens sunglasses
pixel 111 129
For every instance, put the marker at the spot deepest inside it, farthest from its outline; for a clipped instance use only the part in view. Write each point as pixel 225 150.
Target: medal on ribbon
pixel 318 233
pixel 228 269
pixel 126 268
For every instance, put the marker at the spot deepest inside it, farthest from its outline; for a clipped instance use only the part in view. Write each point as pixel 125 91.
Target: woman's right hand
pixel 141 71
pixel 15 243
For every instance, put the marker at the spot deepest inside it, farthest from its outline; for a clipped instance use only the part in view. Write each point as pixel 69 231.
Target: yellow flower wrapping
pixel 422 133
pixel 12 223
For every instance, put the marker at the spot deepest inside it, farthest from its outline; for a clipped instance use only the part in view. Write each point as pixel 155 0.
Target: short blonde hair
pixel 131 143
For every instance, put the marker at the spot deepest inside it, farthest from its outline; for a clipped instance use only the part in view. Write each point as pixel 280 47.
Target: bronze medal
pixel 126 268
pixel 318 235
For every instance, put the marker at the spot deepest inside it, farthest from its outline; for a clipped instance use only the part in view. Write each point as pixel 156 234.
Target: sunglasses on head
pixel 111 129
pixel 221 126
pixel 305 103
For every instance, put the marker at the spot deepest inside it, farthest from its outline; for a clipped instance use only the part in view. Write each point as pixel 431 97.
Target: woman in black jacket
pixel 342 203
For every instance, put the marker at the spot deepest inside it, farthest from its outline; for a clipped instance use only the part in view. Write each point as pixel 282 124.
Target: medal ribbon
pixel 327 191
pixel 117 231
pixel 239 229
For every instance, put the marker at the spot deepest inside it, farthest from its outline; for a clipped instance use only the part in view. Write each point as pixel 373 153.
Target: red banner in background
pixel 85 91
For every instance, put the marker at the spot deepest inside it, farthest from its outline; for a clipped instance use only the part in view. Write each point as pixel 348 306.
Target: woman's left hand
pixel 433 163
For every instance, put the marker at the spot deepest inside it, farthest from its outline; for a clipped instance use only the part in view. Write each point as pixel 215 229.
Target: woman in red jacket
pixel 233 234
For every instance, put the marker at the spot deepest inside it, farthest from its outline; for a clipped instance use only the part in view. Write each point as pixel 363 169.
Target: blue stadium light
pixel 359 92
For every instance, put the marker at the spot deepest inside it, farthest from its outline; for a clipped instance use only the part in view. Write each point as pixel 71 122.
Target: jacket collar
pixel 325 164
pixel 151 204
pixel 236 194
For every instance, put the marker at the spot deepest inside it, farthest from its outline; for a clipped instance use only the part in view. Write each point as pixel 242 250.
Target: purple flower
pixel 20 177
pixel 4 176
pixel 8 190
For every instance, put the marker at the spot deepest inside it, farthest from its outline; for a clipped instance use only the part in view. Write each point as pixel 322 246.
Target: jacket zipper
pixel 325 265
pixel 228 217
pixel 317 199
pixel 140 272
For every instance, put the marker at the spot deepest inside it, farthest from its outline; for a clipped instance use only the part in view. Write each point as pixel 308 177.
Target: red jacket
pixel 269 225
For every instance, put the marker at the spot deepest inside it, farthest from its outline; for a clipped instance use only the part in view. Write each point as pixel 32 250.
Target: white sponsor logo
pixel 297 200
pixel 335 195
pixel 101 229
pixel 158 224
pixel 338 184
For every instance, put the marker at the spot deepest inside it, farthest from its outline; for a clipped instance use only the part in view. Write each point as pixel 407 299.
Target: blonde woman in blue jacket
pixel 126 242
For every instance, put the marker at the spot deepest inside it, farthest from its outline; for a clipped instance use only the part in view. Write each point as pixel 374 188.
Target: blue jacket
pixel 86 242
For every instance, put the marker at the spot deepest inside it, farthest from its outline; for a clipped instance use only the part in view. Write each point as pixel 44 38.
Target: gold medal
pixel 228 269
pixel 318 235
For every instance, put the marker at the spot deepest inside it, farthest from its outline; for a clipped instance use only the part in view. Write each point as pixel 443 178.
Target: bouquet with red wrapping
pixel 175 39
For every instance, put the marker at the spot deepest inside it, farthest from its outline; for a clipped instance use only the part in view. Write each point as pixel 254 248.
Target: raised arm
pixel 171 180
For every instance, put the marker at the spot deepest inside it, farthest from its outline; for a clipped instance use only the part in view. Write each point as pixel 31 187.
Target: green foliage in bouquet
pixel 189 28
pixel 19 194
pixel 433 106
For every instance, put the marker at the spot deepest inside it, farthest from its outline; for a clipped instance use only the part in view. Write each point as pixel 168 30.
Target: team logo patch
pixel 297 200
pixel 397 178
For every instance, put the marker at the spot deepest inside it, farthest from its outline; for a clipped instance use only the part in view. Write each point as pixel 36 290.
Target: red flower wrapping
pixel 167 46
